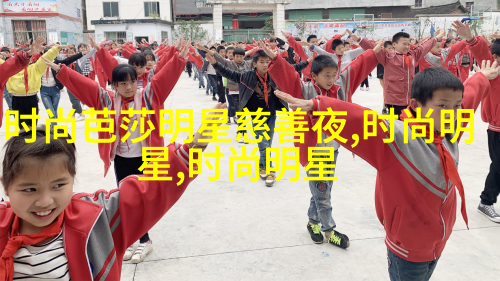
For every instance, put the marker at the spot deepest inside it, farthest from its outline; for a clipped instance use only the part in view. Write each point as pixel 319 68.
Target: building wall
pixel 430 3
pixel 328 4
pixel 136 29
pixel 127 9
pixel 70 8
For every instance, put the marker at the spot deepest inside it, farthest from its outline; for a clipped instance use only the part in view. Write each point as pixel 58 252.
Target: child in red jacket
pixel 399 66
pixel 490 113
pixel 324 74
pixel 415 197
pixel 127 153
pixel 48 232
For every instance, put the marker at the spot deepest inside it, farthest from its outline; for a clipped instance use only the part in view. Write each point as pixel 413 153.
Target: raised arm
pixel 297 47
pixel 70 60
pixel 320 51
pixel 226 72
pixel 108 62
pixel 285 77
pixel 13 66
pixel 449 53
pixel 419 52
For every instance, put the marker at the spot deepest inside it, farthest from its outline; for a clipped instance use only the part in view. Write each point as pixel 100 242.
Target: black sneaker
pixel 315 231
pixel 338 239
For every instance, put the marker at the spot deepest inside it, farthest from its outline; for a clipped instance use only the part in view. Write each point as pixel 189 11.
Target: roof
pixel 96 22
pixel 439 10
pixel 188 7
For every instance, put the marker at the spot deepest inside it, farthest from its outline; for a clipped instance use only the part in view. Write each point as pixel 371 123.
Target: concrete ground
pixel 243 230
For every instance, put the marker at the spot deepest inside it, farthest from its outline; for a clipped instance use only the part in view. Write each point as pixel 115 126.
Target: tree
pixel 192 29
pixel 476 26
pixel 301 25
pixel 269 23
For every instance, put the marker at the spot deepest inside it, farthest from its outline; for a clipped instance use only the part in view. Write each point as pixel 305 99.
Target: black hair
pixel 145 48
pixel 137 59
pixel 220 48
pixel 495 48
pixel 387 43
pixel 73 48
pixel 123 72
pixel 347 43
pixel 222 41
pixel 321 62
pixel 297 38
pixel 230 48
pixel 400 35
pixel 46 49
pixel 336 43
pixel 149 54
pixel 5 49
pixel 238 51
pixel 448 41
pixel 213 47
pixel 272 40
pixel 432 79
pixel 81 45
pixel 259 54
pixel 311 37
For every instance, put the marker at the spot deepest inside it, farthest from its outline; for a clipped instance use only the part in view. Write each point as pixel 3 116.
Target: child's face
pixel 71 52
pixel 402 46
pixel 222 53
pixel 339 50
pixel 273 44
pixel 313 41
pixel 326 78
pixel 106 46
pixel 389 48
pixel 139 69
pixel 230 54
pixel 126 88
pixel 437 48
pixel 261 65
pixel 238 58
pixel 42 192
pixel 444 99
pixel 150 62
pixel 347 47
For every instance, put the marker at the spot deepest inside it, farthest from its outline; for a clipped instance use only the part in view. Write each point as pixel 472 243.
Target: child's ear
pixel 314 76
pixel 414 104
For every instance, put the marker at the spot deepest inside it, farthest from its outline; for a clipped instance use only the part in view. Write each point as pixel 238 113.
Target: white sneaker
pixel 242 139
pixel 142 252
pixel 263 174
pixel 80 117
pixel 128 253
pixel 367 89
pixel 362 89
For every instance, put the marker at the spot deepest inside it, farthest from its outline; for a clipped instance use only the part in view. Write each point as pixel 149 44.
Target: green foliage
pixel 192 29
pixel 269 23
pixel 301 27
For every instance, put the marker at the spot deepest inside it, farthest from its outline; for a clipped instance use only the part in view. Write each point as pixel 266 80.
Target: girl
pixel 49 232
pixel 127 154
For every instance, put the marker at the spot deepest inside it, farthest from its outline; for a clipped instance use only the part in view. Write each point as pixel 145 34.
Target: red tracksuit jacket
pixel 414 203
pixel 153 98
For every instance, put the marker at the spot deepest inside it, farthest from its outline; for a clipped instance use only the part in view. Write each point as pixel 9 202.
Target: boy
pixel 380 73
pixel 490 113
pixel 340 55
pixel 415 197
pixel 441 57
pixel 399 67
pixel 324 73
pixel 221 90
pixel 256 90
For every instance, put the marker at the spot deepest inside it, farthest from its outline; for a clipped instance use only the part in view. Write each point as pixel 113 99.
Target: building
pixel 130 19
pixel 57 20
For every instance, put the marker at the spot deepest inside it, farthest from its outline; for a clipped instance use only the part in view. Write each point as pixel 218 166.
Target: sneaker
pixel 385 111
pixel 128 253
pixel 263 174
pixel 199 87
pixel 489 212
pixel 338 239
pixel 234 120
pixel 270 180
pixel 315 231
pixel 142 251
pixel 367 89
pixel 228 121
pixel 214 98
pixel 362 89
pixel 80 117
pixel 242 139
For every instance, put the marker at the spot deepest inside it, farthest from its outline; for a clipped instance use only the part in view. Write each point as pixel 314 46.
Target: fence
pixel 239 35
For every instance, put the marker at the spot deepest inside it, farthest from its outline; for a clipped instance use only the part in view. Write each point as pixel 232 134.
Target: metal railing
pixel 239 35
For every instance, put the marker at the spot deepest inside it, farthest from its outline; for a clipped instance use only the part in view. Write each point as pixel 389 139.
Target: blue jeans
pixel 8 97
pixel 50 98
pixel 320 208
pixel 403 270
pixel 201 74
pixel 265 143
pixel 196 73
pixel 231 111
pixel 213 83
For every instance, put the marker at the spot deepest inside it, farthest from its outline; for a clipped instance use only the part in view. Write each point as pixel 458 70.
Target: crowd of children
pixel 415 189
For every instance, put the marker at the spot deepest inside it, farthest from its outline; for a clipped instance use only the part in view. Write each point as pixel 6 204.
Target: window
pixel 151 9
pixel 164 35
pixel 28 29
pixel 110 9
pixel 468 5
pixel 386 15
pixel 116 36
pixel 418 3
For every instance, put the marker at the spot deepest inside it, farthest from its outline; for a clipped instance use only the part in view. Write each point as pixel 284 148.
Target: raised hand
pixel 440 35
pixel 210 59
pixel 37 46
pixel 93 43
pixel 270 53
pixel 185 50
pixel 52 65
pixel 352 35
pixel 379 46
pixel 284 34
pixel 489 70
pixel 294 103
pixel 462 30
pixel 272 36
